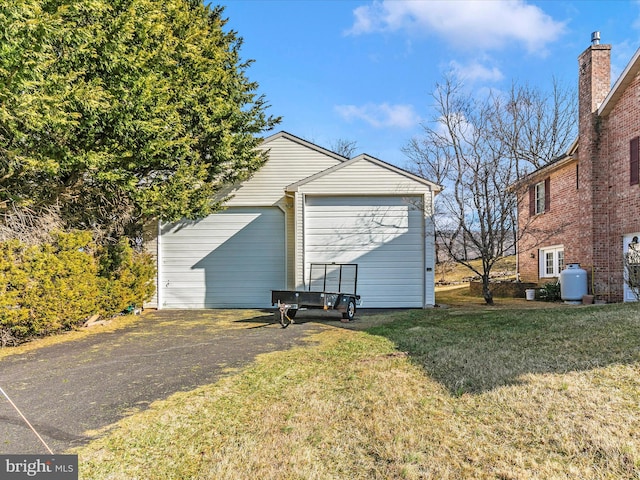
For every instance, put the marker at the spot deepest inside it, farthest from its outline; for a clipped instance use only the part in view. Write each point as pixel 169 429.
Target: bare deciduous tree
pixel 476 148
pixel 344 147
pixel 535 126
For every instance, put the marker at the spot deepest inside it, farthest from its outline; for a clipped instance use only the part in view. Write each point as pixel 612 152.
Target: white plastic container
pixel 573 283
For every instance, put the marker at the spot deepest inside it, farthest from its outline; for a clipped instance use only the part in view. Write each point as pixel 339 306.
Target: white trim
pixel 303 223
pixel 286 244
pixel 425 263
pixel 304 143
pixel 623 81
pixel 294 187
pixel 542 261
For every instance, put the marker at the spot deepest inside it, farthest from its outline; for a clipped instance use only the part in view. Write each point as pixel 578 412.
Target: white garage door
pixel 383 235
pixel 230 259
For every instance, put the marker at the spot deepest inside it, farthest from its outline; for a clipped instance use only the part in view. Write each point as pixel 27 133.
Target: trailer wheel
pixel 351 310
pixel 292 313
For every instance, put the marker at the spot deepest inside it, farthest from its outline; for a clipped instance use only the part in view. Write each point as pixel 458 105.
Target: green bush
pixel 46 289
pixel 14 281
pixel 550 292
pixel 128 278
pixel 63 282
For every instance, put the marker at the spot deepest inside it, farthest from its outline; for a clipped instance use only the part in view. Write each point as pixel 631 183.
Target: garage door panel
pixel 365 240
pixel 390 255
pixel 229 259
pixel 359 244
pixel 383 235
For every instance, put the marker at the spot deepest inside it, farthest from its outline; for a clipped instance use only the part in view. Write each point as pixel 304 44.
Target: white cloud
pixel 380 116
pixel 460 127
pixel 468 24
pixel 476 71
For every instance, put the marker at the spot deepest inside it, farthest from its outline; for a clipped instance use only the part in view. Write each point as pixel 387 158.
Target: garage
pixel 305 205
pixel 228 260
pixel 383 235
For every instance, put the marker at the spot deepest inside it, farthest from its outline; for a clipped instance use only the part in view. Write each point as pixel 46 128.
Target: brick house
pixel 584 207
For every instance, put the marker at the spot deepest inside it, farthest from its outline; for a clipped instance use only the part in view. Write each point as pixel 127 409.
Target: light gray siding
pixel 382 234
pixel 289 161
pixel 306 204
pixel 408 268
pixel 230 259
pixel 363 176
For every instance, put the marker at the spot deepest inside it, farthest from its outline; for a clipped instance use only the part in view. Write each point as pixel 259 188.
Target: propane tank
pixel 573 283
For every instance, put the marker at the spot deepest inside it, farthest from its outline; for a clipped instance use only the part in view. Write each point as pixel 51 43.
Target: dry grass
pixel 438 394
pixel 460 297
pixel 212 320
pixel 454 273
pixel 114 324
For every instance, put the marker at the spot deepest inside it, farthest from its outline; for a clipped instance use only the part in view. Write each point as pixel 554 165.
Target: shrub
pixel 127 278
pixel 49 288
pixel 63 282
pixel 550 292
pixel 13 282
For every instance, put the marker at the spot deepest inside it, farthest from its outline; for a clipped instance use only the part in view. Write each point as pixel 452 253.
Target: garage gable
pixel 364 175
pixel 291 159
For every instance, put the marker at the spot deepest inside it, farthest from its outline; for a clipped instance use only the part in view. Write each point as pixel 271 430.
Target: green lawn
pixel 504 393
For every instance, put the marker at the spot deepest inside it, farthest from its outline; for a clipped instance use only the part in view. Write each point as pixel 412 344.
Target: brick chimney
pixel 594 77
pixel 594 84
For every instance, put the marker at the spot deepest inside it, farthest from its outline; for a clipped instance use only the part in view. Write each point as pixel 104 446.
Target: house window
pixel 539 197
pixel 634 161
pixel 551 261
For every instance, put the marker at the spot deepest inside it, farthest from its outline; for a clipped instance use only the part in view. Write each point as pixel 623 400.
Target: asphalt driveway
pixel 71 390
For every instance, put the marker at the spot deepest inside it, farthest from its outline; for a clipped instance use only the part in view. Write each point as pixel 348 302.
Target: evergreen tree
pixel 114 112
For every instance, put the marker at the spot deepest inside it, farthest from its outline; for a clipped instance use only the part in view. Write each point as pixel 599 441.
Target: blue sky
pixel 363 71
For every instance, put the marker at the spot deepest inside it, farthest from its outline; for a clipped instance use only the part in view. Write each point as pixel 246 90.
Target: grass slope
pixel 505 393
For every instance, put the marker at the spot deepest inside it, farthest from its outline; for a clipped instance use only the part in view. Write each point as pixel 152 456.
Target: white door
pixel 383 235
pixel 631 249
pixel 231 259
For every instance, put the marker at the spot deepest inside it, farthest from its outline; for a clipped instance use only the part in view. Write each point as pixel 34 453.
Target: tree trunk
pixel 486 292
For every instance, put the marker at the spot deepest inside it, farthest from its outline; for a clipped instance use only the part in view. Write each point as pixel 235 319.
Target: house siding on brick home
pixel 560 218
pixel 594 206
pixel 621 204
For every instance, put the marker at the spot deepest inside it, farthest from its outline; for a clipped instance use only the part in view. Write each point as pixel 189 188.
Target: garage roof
pixel 294 187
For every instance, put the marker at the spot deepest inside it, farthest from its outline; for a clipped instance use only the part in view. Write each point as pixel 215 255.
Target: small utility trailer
pixel 332 286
